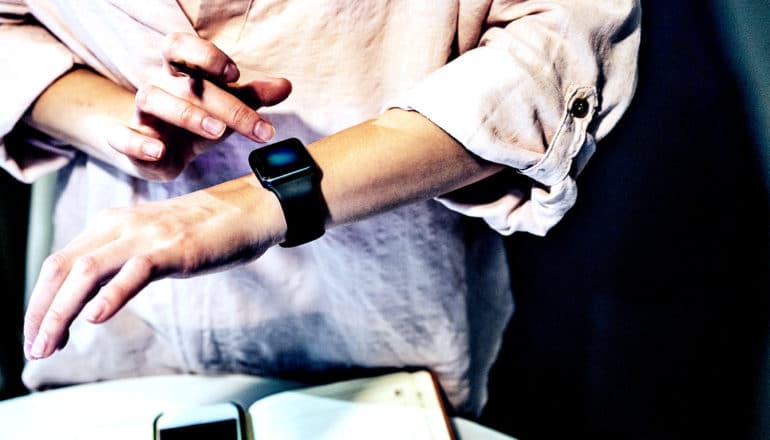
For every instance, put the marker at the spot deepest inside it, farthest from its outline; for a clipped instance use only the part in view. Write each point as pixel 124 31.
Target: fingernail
pixel 152 149
pixel 94 310
pixel 213 126
pixel 39 346
pixel 264 131
pixel 230 73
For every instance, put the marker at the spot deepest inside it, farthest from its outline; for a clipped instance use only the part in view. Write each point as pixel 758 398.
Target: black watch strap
pixel 303 208
pixel 287 169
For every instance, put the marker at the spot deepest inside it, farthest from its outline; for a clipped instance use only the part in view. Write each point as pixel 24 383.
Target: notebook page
pixel 401 405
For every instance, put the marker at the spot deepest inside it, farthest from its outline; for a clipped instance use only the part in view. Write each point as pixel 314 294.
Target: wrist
pixel 255 215
pixel 79 106
pixel 266 214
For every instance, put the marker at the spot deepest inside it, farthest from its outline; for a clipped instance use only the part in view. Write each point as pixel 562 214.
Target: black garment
pixel 644 314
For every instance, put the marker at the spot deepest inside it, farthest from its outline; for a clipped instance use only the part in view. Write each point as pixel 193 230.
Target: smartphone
pixel 223 421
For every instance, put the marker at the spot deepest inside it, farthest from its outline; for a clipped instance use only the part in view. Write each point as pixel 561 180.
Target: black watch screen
pixel 282 160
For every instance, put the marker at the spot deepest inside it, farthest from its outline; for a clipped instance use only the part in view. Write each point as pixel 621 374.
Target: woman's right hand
pixel 187 106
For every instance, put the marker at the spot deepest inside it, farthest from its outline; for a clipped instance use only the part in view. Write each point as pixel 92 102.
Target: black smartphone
pixel 222 421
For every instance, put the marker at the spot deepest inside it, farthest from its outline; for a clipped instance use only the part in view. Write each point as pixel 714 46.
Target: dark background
pixel 14 214
pixel 644 314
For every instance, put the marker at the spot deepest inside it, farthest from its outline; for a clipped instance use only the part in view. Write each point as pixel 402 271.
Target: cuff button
pixel 579 108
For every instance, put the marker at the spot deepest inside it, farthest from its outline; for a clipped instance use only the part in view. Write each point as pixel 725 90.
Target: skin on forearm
pixel 79 108
pixel 398 158
pixel 395 159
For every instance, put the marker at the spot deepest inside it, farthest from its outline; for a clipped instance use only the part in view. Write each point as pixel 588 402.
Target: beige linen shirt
pixel 531 84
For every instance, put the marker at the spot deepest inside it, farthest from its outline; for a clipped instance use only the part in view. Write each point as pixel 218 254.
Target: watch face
pixel 280 160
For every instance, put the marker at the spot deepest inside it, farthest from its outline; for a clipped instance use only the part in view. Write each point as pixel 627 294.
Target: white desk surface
pixel 125 409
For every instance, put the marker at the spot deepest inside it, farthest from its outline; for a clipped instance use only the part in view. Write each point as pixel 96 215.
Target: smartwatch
pixel 287 169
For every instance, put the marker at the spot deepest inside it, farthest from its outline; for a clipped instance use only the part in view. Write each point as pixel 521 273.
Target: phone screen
pixel 220 421
pixel 223 429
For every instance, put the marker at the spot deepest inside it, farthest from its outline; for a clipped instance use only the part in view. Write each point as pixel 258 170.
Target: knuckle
pixel 187 89
pixel 143 264
pixel 143 98
pixel 118 291
pixel 86 266
pixel 171 43
pixel 188 116
pixel 160 230
pixel 111 294
pixel 54 266
pixel 55 317
pixel 241 116
pixel 213 57
pixel 122 141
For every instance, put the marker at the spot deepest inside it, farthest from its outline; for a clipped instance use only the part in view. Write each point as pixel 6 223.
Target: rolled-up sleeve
pixel 31 60
pixel 547 80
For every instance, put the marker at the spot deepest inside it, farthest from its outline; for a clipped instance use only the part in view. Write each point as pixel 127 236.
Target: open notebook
pixel 394 406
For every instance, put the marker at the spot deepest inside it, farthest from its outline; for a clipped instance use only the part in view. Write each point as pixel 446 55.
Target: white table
pixel 125 409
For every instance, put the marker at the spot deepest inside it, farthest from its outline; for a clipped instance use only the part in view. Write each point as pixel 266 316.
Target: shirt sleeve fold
pixel 547 80
pixel 32 59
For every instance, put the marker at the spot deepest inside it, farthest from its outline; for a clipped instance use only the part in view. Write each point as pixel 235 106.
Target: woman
pixel 494 105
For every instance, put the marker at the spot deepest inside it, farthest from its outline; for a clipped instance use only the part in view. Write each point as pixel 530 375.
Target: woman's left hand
pixel 124 249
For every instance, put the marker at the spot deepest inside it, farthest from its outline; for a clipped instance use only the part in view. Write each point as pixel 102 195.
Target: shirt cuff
pixel 32 59
pixel 491 104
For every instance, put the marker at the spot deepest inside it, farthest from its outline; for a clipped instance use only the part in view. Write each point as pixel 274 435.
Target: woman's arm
pixel 79 108
pixel 395 159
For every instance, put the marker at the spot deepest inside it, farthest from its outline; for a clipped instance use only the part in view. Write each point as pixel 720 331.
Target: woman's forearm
pixel 79 108
pixel 395 159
